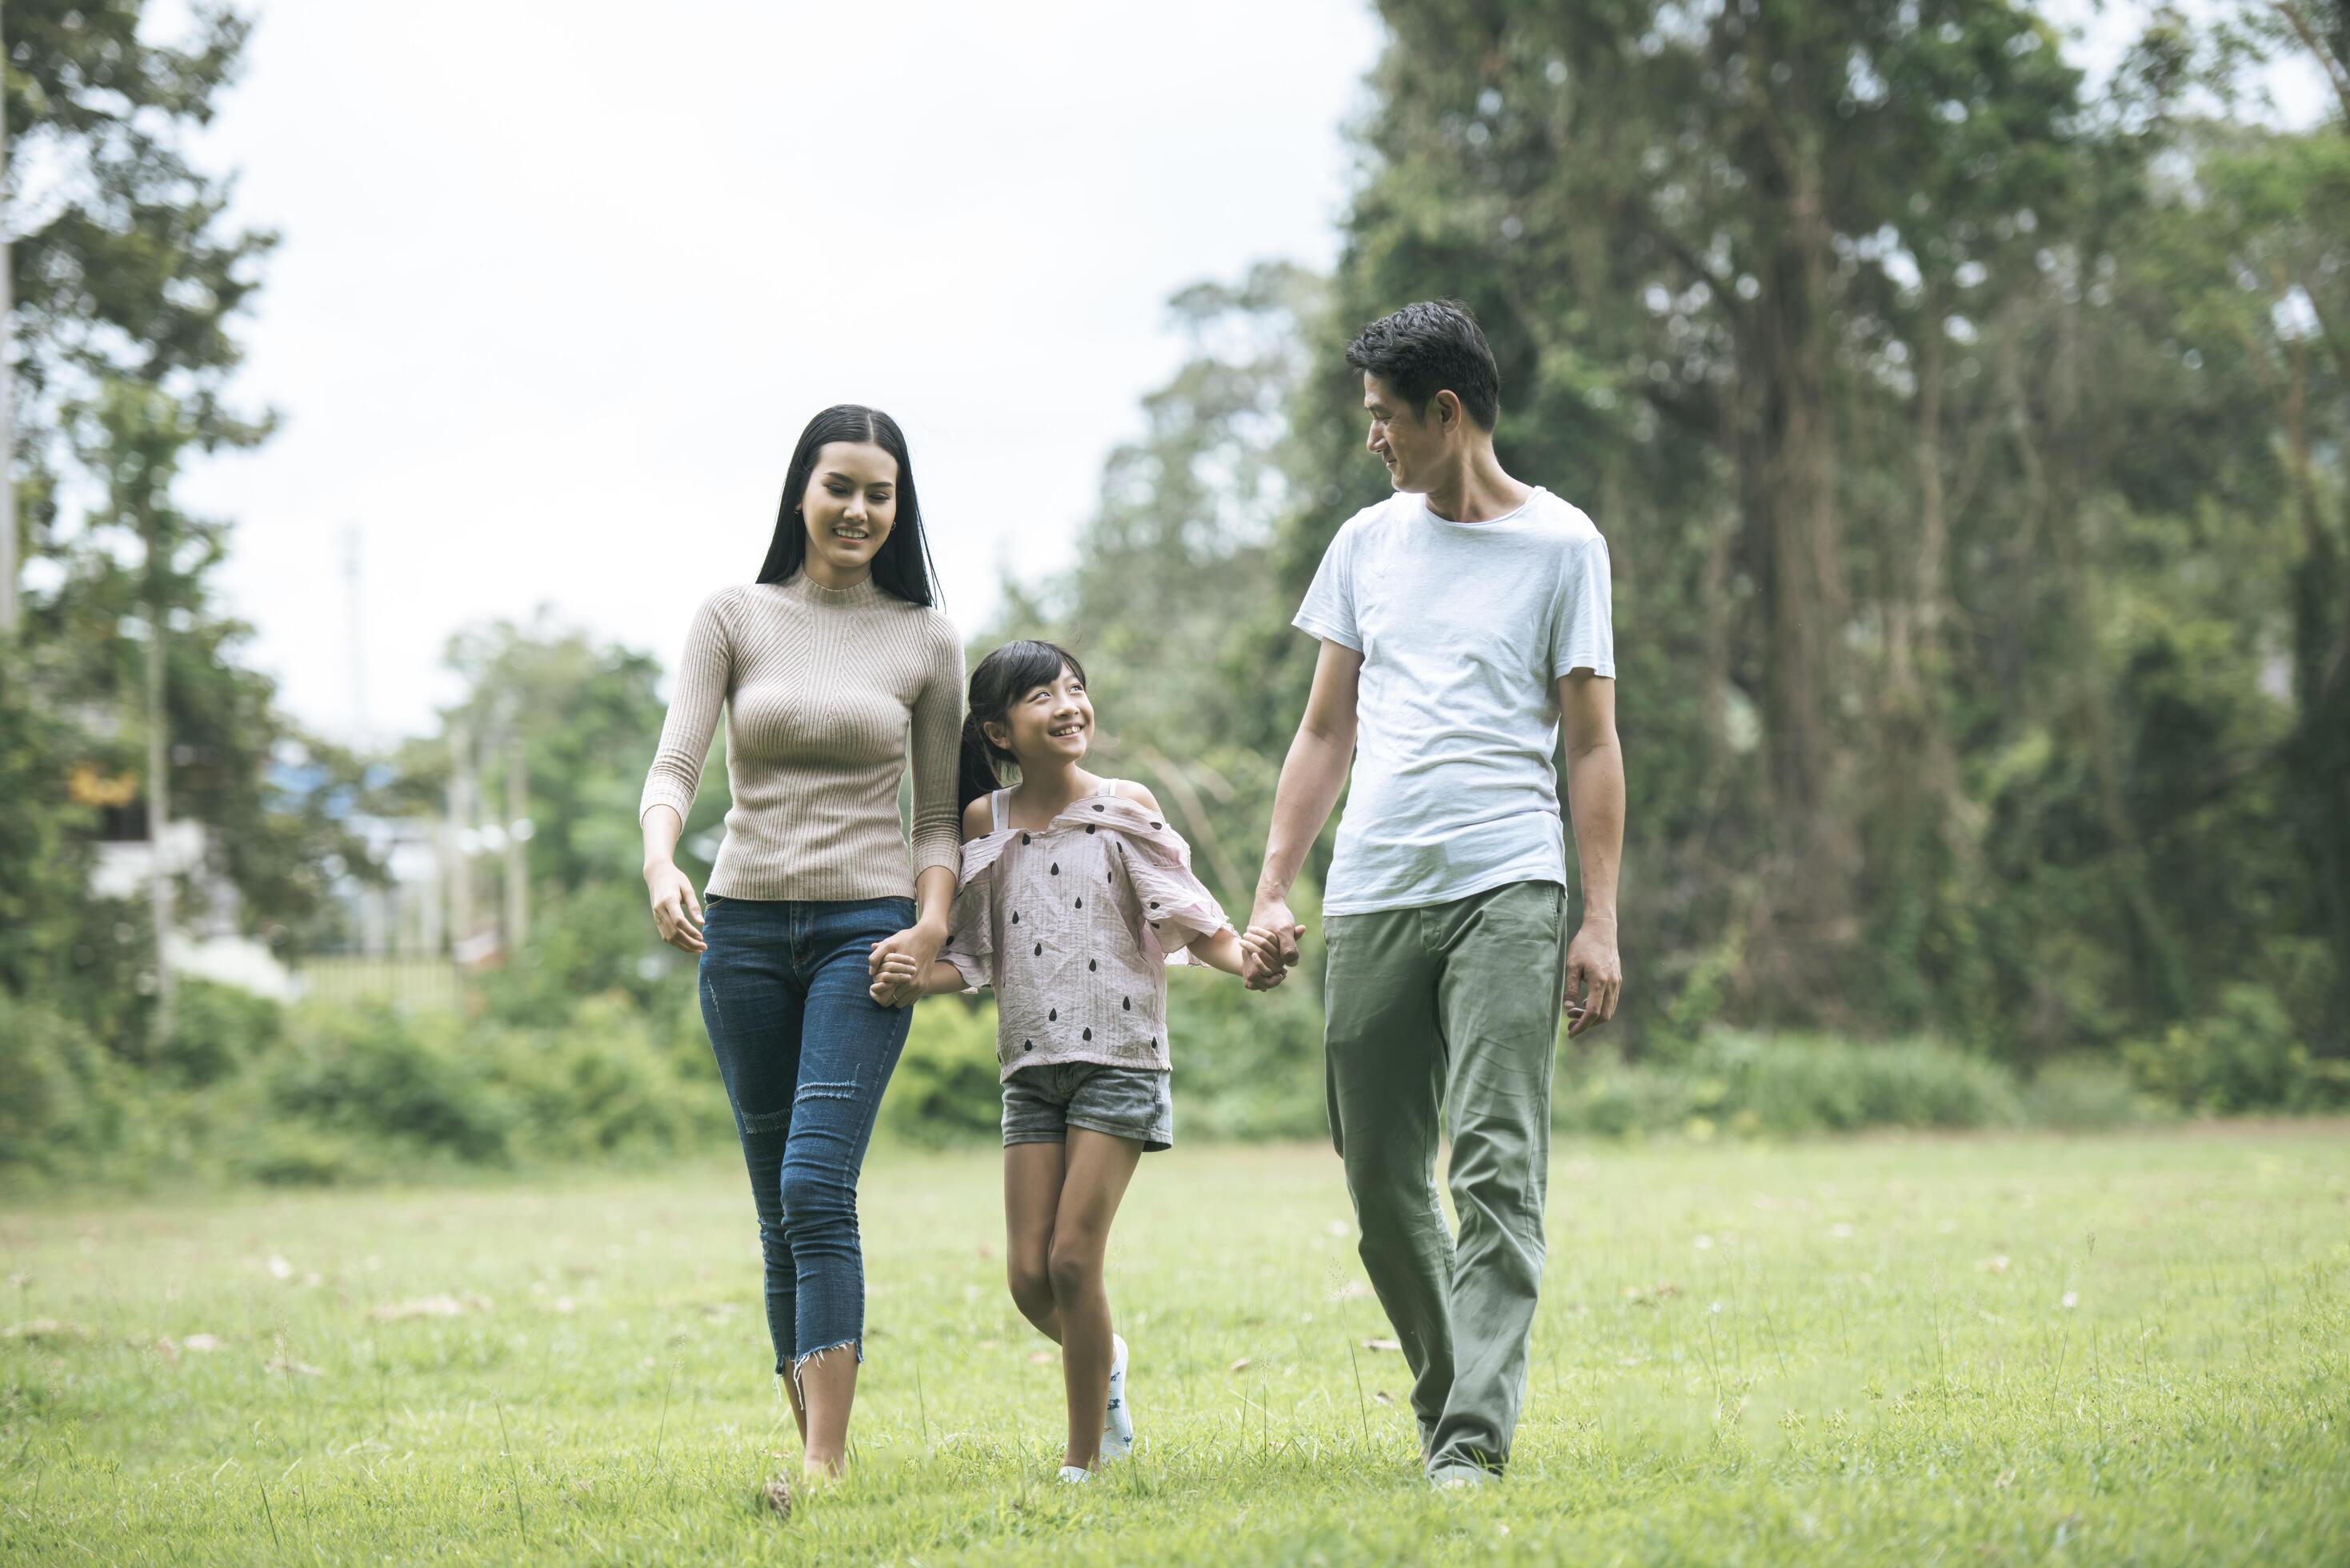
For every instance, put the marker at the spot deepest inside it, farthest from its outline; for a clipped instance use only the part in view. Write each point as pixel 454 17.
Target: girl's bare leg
pixel 1098 1168
pixel 1032 1196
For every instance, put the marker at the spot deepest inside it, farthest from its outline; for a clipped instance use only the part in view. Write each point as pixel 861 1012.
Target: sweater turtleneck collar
pixel 800 586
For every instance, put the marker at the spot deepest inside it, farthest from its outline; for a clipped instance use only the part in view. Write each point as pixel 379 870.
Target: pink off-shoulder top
pixel 1074 925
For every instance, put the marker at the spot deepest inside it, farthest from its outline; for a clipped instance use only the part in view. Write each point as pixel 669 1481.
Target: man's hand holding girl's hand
pixel 1263 948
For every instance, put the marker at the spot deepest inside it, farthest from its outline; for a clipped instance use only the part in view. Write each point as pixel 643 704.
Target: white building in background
pixel 207 943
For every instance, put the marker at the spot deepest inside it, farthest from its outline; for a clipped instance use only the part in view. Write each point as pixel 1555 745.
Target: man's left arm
pixel 1595 797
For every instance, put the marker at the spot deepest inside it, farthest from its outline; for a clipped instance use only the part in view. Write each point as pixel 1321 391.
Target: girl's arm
pixel 1230 951
pixel 893 971
pixel 1219 950
pixel 891 979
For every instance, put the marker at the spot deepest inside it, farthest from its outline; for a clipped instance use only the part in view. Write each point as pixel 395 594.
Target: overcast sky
pixel 560 284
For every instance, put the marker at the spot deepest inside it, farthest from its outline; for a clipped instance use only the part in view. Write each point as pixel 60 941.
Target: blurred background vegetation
pixel 1969 440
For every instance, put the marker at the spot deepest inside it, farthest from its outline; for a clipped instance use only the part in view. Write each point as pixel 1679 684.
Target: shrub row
pixel 315 1094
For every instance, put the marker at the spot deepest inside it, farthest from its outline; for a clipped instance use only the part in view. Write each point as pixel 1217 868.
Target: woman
pixel 829 666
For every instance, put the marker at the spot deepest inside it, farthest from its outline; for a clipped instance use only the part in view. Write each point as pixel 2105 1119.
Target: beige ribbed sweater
pixel 823 688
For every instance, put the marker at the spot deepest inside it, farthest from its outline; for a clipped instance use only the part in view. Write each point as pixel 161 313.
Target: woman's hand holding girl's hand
pixel 901 986
pixel 677 913
pixel 891 980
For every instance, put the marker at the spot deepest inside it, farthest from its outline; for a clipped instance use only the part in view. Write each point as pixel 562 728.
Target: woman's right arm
pixel 677 913
pixel 701 682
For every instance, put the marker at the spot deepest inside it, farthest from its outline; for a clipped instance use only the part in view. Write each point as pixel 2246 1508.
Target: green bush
pixel 373 1074
pixel 2243 1056
pixel 595 941
pixel 283 1154
pixel 2083 1095
pixel 54 1108
pixel 600 1083
pixel 944 1090
pixel 1248 1064
pixel 1787 1085
pixel 215 1029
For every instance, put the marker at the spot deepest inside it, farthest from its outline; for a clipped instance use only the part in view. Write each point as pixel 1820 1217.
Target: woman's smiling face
pixel 848 509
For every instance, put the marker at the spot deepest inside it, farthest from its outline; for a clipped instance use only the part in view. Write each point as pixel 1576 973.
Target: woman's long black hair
pixel 902 565
pixel 1003 678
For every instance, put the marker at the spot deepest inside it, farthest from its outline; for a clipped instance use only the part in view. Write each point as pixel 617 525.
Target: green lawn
pixel 1972 1350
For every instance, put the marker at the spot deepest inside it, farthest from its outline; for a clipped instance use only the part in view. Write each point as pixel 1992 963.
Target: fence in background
pixel 411 984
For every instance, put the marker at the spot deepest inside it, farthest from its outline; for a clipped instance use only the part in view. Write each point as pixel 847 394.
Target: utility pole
pixel 158 757
pixel 459 836
pixel 7 397
pixel 518 829
pixel 355 623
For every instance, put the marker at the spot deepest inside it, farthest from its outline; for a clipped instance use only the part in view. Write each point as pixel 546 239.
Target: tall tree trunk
pixel 2317 751
pixel 8 543
pixel 1787 459
pixel 159 796
pixel 2161 971
pixel 517 868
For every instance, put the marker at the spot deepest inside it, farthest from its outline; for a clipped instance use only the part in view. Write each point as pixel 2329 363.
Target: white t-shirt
pixel 1464 630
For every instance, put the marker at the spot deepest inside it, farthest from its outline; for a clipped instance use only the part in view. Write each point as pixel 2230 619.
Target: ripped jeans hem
pixel 801 1361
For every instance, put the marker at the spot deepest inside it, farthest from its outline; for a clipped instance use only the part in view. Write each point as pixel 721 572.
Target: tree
pixel 129 280
pixel 1173 599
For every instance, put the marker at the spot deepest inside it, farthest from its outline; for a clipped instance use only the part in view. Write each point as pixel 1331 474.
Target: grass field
pixel 1974 1350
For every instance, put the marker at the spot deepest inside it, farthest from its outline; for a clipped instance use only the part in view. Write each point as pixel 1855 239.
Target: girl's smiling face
pixel 1047 724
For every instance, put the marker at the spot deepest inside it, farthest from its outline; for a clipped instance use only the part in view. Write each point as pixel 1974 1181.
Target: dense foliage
pixel 1969 437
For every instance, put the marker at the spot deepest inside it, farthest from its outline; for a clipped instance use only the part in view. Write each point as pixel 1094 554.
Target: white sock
pixel 1118 1429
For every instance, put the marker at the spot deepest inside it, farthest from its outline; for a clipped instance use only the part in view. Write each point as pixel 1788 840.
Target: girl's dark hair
pixel 1003 678
pixel 902 565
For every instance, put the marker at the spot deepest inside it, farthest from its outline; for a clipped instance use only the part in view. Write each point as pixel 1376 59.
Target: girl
pixel 1075 897
pixel 831 667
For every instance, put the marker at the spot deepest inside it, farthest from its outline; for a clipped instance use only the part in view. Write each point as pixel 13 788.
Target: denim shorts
pixel 1041 1104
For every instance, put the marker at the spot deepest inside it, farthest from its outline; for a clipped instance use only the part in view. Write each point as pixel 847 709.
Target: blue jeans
pixel 805 1052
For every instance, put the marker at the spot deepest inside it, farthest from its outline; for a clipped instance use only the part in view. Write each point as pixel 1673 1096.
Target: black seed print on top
pixel 1101 808
pixel 1054 1016
pixel 1056 868
pixel 1024 838
pixel 1081 903
pixel 1092 964
pixel 1040 949
pixel 1154 824
pixel 1126 1002
pixel 1088 1035
pixel 1027 1044
pixel 1089 827
pixel 1154 903
pixel 1015 917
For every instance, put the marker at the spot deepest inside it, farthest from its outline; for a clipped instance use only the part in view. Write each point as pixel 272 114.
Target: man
pixel 1464 622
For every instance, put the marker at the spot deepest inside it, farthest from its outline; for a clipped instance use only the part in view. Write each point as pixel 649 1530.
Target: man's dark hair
pixel 1430 348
